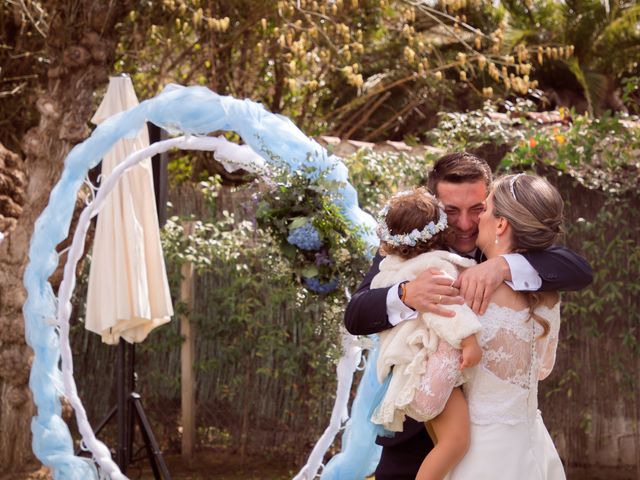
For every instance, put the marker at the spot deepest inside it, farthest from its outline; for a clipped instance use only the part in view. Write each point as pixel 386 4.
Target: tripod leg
pixel 106 420
pixel 153 449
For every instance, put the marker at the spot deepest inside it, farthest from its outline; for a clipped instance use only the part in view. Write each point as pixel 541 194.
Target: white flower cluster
pixel 413 237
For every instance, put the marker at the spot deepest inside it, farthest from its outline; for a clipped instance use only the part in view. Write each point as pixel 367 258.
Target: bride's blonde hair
pixel 534 209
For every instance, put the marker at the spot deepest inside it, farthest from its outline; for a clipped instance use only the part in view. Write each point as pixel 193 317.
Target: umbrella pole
pixel 121 412
pixel 130 375
pixel 132 413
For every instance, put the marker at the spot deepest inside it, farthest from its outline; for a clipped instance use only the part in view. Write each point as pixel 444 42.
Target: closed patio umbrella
pixel 128 293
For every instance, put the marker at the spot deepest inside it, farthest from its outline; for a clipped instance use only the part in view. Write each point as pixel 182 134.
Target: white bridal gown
pixel 509 441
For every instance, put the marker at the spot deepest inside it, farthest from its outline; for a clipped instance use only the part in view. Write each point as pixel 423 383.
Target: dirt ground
pixel 220 465
pixel 207 464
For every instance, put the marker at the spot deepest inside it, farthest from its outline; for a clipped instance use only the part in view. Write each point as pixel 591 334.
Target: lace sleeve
pixel 441 377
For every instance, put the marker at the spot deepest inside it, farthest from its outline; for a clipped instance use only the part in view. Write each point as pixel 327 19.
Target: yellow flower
pixel 409 54
pixel 482 61
pixel 561 139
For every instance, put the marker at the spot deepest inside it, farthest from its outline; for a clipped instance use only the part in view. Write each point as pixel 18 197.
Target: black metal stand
pixel 129 412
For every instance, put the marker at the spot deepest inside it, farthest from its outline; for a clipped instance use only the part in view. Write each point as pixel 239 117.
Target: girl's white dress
pixel 423 352
pixel 509 440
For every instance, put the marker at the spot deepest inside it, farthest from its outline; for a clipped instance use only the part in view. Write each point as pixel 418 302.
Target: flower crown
pixel 413 237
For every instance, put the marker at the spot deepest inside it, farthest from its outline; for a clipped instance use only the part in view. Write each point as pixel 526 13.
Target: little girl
pixel 430 351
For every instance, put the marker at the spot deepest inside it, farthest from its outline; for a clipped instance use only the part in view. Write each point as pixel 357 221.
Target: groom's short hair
pixel 459 167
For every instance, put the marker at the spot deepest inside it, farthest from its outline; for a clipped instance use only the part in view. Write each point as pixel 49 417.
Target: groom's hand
pixel 430 290
pixel 478 283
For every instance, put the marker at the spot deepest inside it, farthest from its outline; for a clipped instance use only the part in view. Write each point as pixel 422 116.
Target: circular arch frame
pixel 194 111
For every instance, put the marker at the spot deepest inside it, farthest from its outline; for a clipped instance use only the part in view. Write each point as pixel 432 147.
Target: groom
pixel 461 181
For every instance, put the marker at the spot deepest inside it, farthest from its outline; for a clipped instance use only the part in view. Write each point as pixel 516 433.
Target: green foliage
pixel 609 240
pixel 600 336
pixel 378 175
pixel 225 238
pixel 605 37
pixel 631 94
pixel 595 152
pixel 180 168
pixel 368 69
pixel 469 130
pixel 264 342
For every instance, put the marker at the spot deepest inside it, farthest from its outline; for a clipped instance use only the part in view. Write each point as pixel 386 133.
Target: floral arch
pixel 195 112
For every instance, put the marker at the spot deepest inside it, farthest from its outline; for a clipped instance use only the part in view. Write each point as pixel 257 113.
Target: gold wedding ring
pixel 439 299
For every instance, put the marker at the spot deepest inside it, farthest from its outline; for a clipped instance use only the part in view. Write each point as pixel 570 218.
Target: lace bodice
pixel 503 388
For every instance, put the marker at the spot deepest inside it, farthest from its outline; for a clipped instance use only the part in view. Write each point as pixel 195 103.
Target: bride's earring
pixel 497 238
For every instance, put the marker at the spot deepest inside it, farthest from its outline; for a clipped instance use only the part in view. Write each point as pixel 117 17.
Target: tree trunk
pixel 15 407
pixel 80 59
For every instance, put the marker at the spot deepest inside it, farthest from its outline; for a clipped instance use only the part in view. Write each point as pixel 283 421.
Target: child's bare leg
pixel 451 430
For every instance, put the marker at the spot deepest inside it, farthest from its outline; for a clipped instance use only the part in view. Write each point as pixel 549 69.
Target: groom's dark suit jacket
pixel 560 270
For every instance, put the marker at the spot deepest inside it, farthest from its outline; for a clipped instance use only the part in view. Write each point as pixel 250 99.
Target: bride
pixel 508 439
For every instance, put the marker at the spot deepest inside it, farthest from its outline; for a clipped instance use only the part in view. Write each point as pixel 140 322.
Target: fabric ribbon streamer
pixel 360 454
pixel 351 357
pixel 193 111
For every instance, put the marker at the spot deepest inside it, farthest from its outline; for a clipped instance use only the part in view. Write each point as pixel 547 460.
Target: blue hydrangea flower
pixel 305 237
pixel 314 284
pixel 322 258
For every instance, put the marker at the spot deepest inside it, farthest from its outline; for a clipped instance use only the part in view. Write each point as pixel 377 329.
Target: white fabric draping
pixel 128 292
